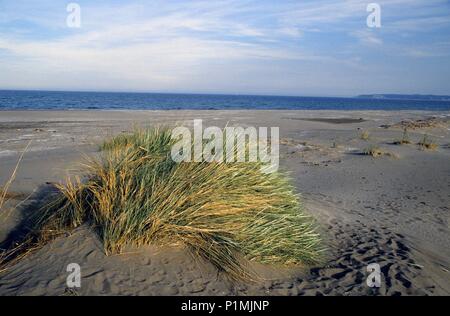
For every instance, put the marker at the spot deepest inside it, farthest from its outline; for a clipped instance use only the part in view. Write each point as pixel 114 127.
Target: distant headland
pixel 419 97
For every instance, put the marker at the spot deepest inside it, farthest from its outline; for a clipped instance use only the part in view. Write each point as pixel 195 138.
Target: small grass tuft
pixel 365 135
pixel 375 151
pixel 226 213
pixel 427 143
pixel 405 138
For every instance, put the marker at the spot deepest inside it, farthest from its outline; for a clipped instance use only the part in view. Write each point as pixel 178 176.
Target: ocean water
pixel 49 100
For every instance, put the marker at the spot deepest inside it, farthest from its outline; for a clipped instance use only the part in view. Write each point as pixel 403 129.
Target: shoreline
pixel 226 110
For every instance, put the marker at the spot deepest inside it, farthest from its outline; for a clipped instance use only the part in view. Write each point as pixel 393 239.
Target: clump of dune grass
pixel 427 143
pixel 405 138
pixel 375 151
pixel 226 213
pixel 365 135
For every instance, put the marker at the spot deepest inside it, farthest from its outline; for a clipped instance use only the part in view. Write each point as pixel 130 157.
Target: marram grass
pixel 226 213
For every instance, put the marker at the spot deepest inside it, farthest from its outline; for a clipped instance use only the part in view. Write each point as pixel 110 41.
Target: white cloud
pixel 367 37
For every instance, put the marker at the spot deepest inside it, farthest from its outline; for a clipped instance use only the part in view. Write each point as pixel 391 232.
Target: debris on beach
pixel 431 122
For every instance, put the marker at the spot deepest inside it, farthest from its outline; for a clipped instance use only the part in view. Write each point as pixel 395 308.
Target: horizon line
pixel 227 94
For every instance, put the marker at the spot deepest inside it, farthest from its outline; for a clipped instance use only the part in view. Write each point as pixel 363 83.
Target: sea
pixel 59 100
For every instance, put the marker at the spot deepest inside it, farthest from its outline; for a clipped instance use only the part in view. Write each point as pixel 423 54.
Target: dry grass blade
pixel 4 196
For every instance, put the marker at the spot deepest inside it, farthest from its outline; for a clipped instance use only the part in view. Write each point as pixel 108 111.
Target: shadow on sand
pixel 10 246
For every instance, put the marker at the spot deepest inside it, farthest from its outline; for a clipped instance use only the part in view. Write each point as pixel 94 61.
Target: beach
pixel 391 210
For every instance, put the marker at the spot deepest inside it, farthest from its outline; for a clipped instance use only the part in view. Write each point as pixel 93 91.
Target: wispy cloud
pixel 367 37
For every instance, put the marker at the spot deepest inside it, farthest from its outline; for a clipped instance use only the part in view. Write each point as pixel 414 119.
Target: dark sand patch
pixel 38 126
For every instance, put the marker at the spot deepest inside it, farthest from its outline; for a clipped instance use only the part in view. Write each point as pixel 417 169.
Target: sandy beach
pixel 391 210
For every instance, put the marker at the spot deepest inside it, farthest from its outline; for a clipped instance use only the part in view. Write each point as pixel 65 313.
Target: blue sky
pixel 309 47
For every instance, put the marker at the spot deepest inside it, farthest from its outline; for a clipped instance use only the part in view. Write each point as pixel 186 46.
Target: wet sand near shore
pixel 392 210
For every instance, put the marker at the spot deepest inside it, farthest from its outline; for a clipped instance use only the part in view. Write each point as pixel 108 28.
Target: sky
pixel 279 47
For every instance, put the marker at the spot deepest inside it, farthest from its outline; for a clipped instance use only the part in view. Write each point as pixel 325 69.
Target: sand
pixel 392 210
